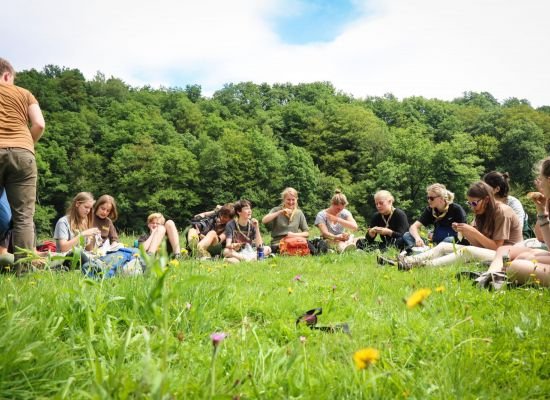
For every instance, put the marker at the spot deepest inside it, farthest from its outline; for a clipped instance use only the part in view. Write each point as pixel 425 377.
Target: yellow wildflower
pixel 440 289
pixel 174 263
pixel 365 357
pixel 184 251
pixel 290 290
pixel 418 297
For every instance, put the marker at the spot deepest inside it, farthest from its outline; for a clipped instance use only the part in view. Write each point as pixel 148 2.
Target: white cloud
pixel 428 48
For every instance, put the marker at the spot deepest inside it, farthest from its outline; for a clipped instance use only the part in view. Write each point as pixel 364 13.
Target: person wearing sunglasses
pixel 442 213
pixel 495 224
pixel 530 265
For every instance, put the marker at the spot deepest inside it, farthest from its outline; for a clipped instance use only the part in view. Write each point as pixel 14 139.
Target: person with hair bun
pixel 495 224
pixel 441 213
pixel 286 219
pixel 388 221
pixel 333 222
pixel 500 182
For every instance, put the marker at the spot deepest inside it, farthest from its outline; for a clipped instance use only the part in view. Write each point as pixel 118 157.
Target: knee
pixel 170 224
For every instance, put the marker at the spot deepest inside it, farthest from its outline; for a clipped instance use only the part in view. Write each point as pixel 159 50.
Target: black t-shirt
pixel 398 223
pixel 442 226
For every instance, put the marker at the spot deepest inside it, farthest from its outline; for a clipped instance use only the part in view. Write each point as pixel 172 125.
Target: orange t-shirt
pixel 14 117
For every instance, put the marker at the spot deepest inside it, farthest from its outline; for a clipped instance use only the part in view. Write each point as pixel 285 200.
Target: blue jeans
pixel 5 213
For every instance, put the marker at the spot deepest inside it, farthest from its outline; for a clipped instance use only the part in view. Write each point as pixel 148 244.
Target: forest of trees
pixel 178 152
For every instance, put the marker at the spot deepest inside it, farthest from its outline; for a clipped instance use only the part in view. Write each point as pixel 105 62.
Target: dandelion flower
pixel 184 251
pixel 418 297
pixel 303 339
pixel 440 289
pixel 290 290
pixel 174 263
pixel 217 338
pixel 365 357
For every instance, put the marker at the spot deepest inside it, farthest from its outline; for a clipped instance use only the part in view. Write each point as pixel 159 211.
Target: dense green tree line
pixel 176 151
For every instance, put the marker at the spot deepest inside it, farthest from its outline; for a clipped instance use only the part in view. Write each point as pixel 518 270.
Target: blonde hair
pixel 339 198
pixel 158 216
pixel 76 223
pixel 440 190
pixel 290 192
pixel 384 194
pixel 106 199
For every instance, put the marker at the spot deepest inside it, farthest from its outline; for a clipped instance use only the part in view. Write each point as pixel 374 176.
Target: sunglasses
pixel 432 198
pixel 473 203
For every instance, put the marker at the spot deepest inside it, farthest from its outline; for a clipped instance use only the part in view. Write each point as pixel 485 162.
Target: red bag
pixel 47 245
pixel 294 246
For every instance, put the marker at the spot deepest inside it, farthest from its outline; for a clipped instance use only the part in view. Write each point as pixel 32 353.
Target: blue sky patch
pixel 316 21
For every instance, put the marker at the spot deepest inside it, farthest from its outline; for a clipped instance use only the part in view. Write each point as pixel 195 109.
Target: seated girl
pixel 286 219
pixel 501 186
pixel 389 222
pixel 242 235
pixel 442 213
pixel 529 264
pixel 495 224
pixel 333 222
pixel 158 229
pixel 76 224
pixel 105 213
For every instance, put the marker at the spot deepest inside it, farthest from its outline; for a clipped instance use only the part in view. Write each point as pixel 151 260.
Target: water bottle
pixel 136 243
pixel 260 251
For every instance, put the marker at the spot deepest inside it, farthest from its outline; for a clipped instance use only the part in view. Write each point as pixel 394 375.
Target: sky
pixel 430 48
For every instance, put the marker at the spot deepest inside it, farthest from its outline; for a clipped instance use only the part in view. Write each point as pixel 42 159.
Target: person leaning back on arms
pixel 18 172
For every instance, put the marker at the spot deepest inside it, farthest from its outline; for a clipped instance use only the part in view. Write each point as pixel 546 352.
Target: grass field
pixel 66 336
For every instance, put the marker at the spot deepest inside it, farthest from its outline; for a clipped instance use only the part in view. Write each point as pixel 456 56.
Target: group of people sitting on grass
pixel 229 231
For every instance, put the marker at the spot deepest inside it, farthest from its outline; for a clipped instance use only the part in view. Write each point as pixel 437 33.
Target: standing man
pixel 18 173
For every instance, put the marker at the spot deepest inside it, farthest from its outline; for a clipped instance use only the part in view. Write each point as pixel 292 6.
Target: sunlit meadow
pixel 193 329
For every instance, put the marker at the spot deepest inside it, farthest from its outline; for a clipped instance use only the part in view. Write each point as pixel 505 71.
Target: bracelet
pixel 544 223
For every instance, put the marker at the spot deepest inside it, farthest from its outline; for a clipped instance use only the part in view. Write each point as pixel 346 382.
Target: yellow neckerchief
pixel 440 216
pixel 248 225
pixel 387 221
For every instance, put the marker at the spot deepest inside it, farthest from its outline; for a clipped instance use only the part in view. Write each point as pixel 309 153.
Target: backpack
pixel 317 246
pixel 294 246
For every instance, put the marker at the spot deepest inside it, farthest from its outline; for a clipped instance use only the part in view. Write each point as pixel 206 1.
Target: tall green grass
pixel 65 336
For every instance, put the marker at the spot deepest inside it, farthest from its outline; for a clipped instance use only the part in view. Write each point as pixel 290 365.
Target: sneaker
pixel 349 247
pixel 381 260
pixel 403 265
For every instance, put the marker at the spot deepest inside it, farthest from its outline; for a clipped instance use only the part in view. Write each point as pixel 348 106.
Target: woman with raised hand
pixel 495 224
pixel 442 213
pixel 335 221
pixel 286 219
pixel 529 264
pixel 76 224
pixel 388 221
pixel 242 235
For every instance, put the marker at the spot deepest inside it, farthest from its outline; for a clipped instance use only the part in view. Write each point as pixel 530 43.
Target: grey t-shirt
pixel 62 232
pixel 334 229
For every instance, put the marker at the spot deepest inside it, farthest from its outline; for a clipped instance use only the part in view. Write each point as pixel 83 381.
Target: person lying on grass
pixel 527 264
pixel 495 224
pixel 241 233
